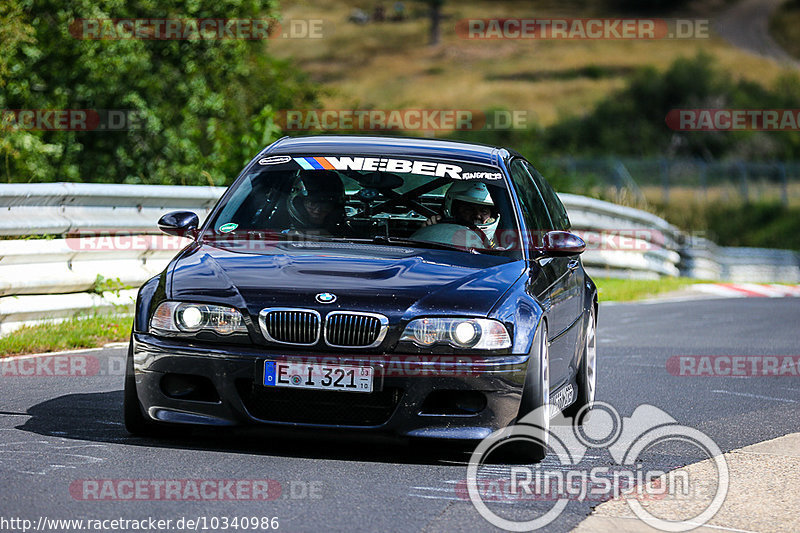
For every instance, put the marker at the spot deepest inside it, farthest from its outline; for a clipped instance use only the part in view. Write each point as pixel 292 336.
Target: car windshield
pixel 367 199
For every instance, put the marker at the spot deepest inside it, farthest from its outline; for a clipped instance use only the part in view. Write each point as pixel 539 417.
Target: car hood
pixel 398 282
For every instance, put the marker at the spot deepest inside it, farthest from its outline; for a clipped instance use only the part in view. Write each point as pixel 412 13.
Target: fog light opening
pixel 189 387
pixel 454 402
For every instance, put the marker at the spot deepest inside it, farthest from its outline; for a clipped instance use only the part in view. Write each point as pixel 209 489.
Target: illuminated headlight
pixel 178 317
pixel 473 333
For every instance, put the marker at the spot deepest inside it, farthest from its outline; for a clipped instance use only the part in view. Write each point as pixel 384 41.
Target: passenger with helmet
pixel 466 203
pixel 316 203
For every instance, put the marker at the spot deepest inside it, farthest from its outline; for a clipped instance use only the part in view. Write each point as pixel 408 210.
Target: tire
pixel 587 374
pixel 135 421
pixel 535 394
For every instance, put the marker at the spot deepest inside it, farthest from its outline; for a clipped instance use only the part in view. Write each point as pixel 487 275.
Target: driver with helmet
pixel 316 203
pixel 467 203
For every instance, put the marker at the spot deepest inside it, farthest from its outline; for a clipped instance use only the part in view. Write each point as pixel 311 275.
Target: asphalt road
pixel 56 432
pixel 746 25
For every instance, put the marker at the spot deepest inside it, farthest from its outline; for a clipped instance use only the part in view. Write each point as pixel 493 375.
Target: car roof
pixel 386 146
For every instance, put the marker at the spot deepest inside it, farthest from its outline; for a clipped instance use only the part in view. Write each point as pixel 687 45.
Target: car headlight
pixel 189 318
pixel 472 333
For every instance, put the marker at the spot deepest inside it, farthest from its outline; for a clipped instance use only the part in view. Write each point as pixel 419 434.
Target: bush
pixel 204 106
pixel 632 122
pixel 761 225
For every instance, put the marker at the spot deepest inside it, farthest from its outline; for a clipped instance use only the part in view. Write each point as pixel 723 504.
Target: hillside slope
pixel 388 65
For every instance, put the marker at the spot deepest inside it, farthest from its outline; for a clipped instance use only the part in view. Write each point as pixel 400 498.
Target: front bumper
pixel 395 408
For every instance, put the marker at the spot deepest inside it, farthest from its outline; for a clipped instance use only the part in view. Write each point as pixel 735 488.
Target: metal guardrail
pixel 58 278
pixel 759 264
pixel 706 260
pixel 18 311
pixel 61 208
pixel 623 241
pixel 665 178
pixel 73 265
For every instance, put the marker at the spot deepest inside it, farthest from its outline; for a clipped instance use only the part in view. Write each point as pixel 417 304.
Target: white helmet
pixel 473 192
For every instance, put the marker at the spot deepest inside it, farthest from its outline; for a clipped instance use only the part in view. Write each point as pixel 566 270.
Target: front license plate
pixel 315 376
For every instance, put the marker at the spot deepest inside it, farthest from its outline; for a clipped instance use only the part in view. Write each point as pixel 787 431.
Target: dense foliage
pixel 632 122
pixel 202 107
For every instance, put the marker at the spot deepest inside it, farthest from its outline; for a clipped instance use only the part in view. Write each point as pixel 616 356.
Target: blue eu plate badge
pixel 269 374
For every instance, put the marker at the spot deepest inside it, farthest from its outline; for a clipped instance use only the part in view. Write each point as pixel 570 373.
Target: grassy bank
pixel 85 332
pixel 626 290
pixel 389 65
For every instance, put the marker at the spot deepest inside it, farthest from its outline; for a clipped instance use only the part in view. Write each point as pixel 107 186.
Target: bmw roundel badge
pixel 326 298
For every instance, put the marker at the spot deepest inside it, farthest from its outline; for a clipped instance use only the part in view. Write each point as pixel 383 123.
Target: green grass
pixel 84 332
pixel 626 290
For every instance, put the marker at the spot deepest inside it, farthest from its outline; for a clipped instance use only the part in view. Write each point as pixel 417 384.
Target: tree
pixel 200 105
pixel 435 13
pixel 14 34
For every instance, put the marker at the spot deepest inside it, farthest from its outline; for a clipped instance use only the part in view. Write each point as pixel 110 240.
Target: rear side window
pixel 558 214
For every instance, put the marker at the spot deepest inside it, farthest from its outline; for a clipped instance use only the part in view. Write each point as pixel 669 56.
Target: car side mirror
pixel 179 223
pixel 561 243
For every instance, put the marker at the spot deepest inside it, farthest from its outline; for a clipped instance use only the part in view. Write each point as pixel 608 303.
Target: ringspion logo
pixel 626 439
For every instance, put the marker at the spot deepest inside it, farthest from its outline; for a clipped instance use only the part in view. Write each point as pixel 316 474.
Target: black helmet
pixel 320 186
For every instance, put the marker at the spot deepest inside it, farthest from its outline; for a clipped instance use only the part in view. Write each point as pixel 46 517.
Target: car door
pixel 568 296
pixel 549 280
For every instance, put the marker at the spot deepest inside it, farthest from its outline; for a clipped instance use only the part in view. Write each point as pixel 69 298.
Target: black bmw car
pixel 405 287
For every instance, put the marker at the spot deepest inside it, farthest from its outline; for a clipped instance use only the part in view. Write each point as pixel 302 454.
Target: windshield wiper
pixel 400 241
pixel 380 239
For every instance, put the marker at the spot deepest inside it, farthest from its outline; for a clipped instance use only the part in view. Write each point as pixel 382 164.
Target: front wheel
pixel 534 407
pixel 135 421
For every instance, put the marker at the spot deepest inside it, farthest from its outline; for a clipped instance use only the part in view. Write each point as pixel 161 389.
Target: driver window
pixel 534 210
pixel 554 206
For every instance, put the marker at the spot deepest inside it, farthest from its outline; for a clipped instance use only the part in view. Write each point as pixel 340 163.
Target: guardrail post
pixel 743 175
pixel 665 179
pixel 615 173
pixel 784 183
pixel 704 179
